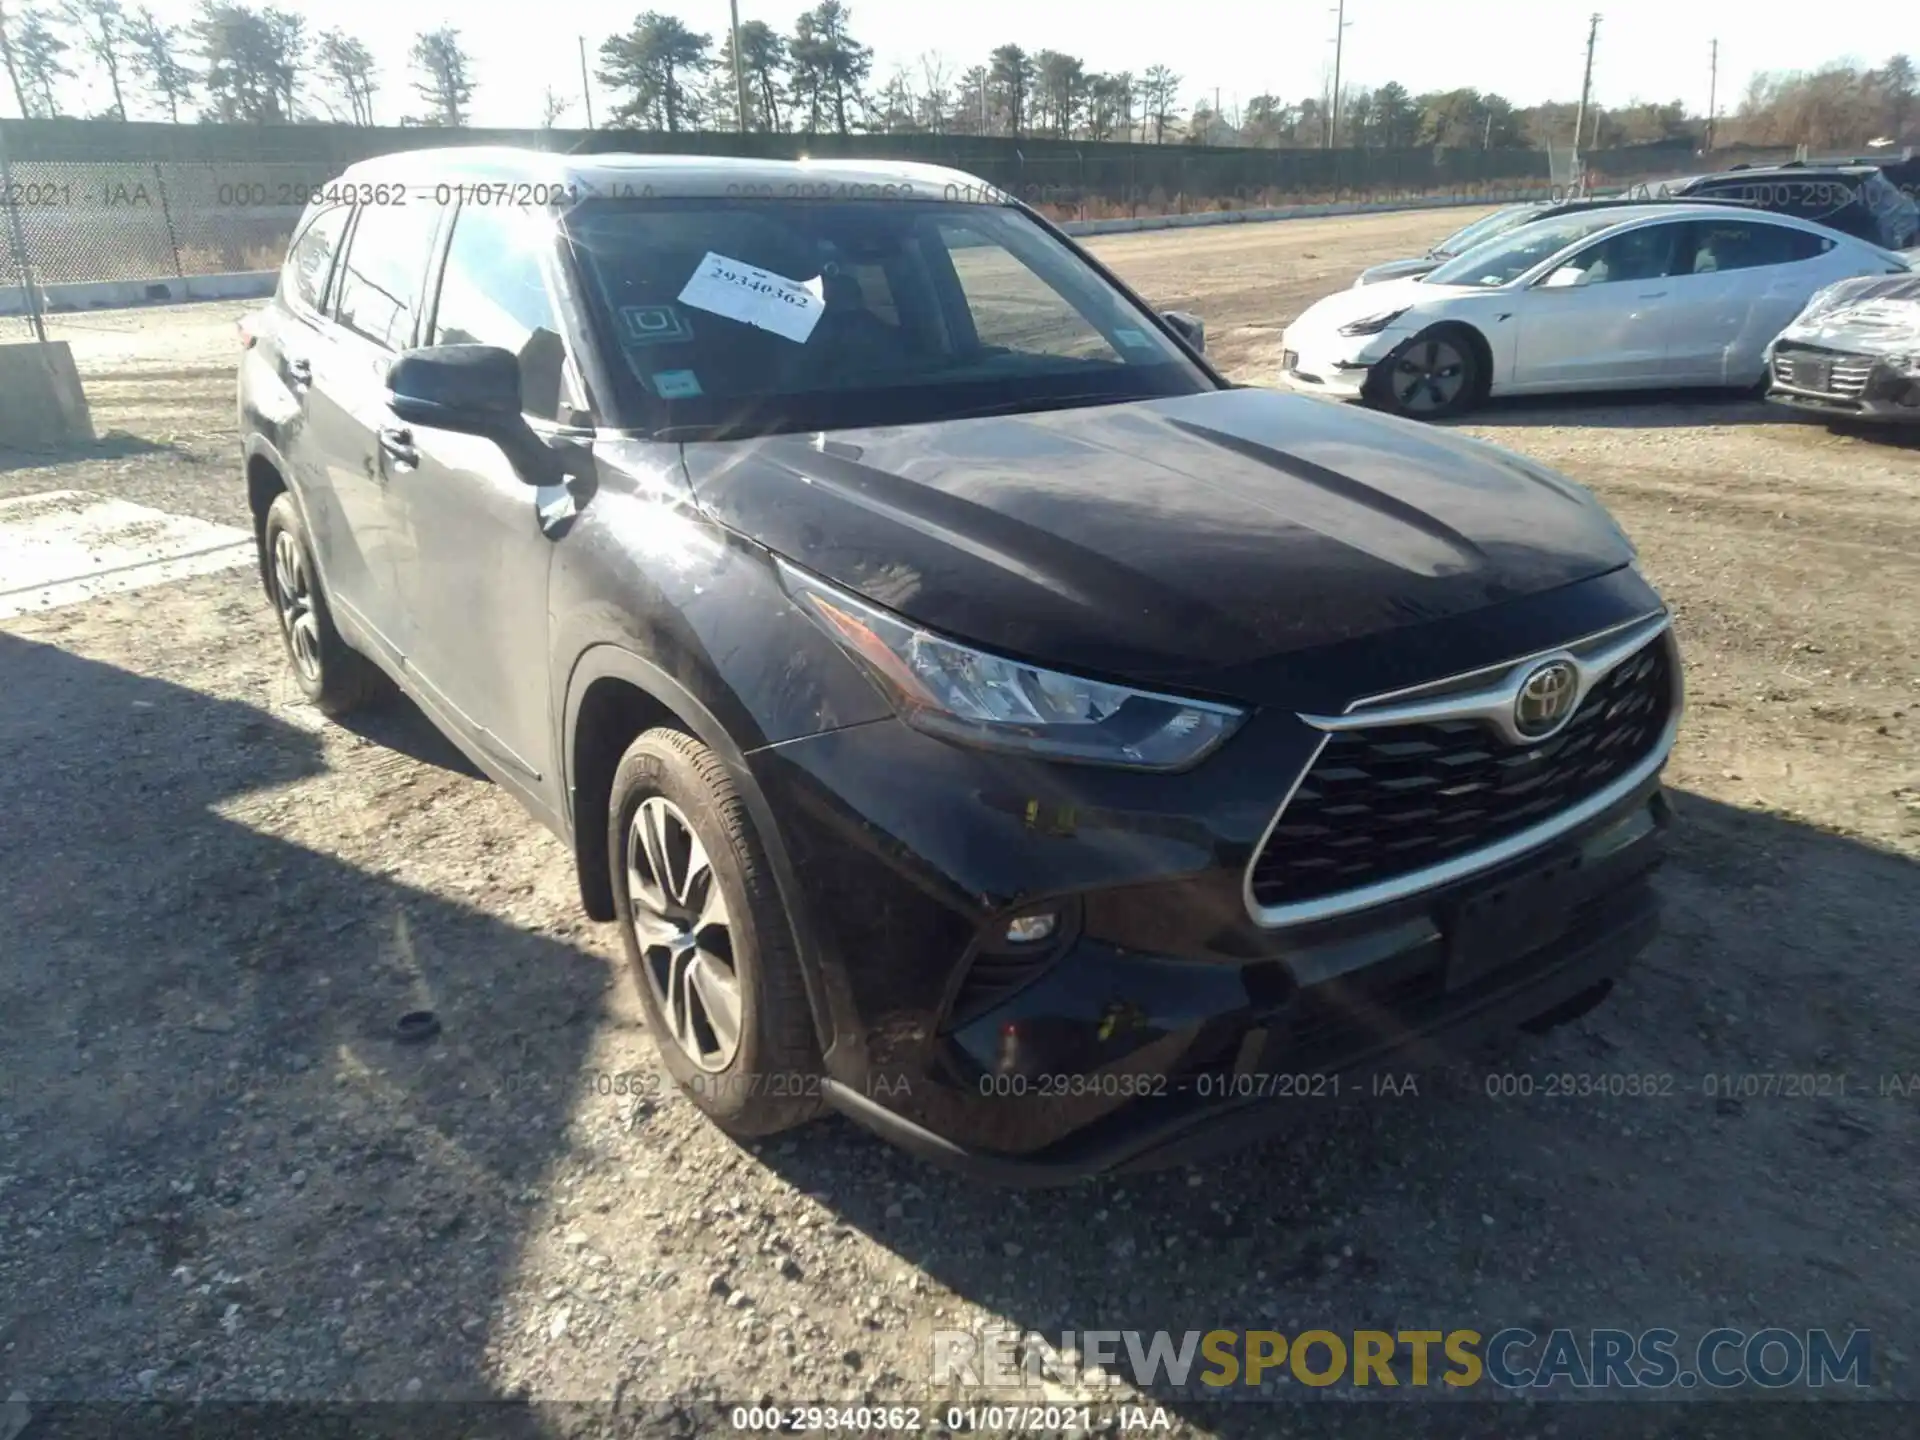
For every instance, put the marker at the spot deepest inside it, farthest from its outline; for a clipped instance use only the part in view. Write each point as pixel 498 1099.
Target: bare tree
pixel 37 51
pixel 553 106
pixel 348 65
pixel 12 63
pixel 936 77
pixel 446 70
pixel 1158 87
pixel 103 36
pixel 156 59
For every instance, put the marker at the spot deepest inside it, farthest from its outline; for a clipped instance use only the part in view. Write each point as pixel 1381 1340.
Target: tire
pixel 1434 376
pixel 757 1071
pixel 334 677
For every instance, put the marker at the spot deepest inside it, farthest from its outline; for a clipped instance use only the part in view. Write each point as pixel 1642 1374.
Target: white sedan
pixel 1665 294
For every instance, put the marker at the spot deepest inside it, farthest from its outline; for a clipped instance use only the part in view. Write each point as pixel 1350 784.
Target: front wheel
pixel 709 940
pixel 1433 376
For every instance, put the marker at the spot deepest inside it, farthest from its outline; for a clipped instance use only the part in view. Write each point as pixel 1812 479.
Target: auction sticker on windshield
pixel 756 297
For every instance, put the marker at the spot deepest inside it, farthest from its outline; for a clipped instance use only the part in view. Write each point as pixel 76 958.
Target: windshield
pixel 1503 260
pixel 1483 230
pixel 739 317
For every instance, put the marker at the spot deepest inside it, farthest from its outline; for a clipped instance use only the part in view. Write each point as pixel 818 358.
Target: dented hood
pixel 1872 315
pixel 1167 538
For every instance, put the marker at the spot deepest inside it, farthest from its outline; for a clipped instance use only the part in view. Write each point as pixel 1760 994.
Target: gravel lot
pixel 221 1176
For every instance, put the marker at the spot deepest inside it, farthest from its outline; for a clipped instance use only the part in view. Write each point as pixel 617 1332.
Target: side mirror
pixel 471 390
pixel 1566 277
pixel 1190 328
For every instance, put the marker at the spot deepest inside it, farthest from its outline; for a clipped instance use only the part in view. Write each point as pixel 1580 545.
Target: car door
pixel 376 305
pixel 475 558
pixel 298 331
pixel 1598 320
pixel 1746 278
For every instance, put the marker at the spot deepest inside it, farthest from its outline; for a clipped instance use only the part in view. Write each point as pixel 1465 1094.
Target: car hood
pixel 1871 315
pixel 1360 301
pixel 1162 539
pixel 1399 269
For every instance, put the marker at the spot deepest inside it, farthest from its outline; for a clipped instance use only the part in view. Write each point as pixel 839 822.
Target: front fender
pixel 827 998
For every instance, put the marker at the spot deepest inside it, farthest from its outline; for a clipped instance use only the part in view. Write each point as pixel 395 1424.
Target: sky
pixel 1527 50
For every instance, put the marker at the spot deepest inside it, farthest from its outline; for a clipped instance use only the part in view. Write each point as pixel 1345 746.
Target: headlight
pixel 1373 324
pixel 1905 364
pixel 966 695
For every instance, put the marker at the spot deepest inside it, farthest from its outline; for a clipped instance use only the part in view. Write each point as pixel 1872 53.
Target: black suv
pixel 978 715
pixel 1856 200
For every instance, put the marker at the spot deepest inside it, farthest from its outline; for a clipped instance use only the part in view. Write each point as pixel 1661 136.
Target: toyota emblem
pixel 1545 701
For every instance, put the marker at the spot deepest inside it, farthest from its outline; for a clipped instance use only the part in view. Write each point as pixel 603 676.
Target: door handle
pixel 1652 294
pixel 300 372
pixel 397 443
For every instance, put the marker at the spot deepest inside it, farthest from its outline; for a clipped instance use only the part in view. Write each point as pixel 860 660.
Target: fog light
pixel 1032 929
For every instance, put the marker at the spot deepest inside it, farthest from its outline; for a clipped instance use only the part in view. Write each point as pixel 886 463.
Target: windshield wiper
pixel 1057 402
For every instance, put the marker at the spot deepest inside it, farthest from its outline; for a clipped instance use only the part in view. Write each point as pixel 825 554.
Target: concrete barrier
pixel 258 284
pixel 121 294
pixel 42 405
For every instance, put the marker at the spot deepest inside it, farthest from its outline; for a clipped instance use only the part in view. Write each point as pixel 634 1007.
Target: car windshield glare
pixel 732 317
pixel 1482 230
pixel 1503 260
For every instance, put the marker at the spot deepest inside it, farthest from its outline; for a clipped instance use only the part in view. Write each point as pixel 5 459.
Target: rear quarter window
pixel 309 263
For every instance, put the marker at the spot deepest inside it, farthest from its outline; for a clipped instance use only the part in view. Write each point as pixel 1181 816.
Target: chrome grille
pixel 1385 801
pixel 1823 372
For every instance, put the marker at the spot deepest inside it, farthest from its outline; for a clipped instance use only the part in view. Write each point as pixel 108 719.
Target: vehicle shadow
pixel 218 1157
pixel 395 723
pixel 1470 1201
pixel 1628 410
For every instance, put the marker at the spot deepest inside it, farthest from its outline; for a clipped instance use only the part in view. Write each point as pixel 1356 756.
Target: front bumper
pixel 1873 390
pixel 1242 1074
pixel 1121 1041
pixel 1328 363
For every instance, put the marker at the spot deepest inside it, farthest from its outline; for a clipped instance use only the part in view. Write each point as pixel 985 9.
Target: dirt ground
pixel 222 1176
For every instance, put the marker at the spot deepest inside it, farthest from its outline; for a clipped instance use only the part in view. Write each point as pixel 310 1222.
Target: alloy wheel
pixel 686 938
pixel 293 595
pixel 1428 375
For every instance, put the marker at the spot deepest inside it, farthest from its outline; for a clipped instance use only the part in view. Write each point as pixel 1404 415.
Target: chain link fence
pixel 80 221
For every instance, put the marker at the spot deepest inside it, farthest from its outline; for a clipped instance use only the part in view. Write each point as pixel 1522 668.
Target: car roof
pixel 1632 211
pixel 1748 171
pixel 622 173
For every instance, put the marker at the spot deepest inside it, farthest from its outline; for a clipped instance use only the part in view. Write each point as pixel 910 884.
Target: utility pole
pixel 739 69
pixel 1713 93
pixel 586 90
pixel 1586 88
pixel 1339 46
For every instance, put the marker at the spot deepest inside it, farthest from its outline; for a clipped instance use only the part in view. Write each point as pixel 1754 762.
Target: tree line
pixel 239 64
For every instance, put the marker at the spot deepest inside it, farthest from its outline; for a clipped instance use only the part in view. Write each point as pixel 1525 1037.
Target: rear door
pixel 475 558
pixel 279 376
pixel 376 306
pixel 1745 280
pixel 1599 320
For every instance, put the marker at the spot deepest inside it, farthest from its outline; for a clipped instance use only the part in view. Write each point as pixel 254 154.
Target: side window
pixel 303 279
pixel 1720 245
pixel 1643 254
pixel 380 282
pixel 493 292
